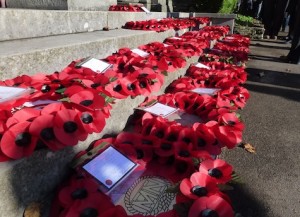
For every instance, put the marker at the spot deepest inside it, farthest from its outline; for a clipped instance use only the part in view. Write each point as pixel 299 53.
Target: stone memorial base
pixel 86 5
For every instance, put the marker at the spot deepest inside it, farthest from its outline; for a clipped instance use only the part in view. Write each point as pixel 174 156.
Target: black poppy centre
pixel 70 127
pixel 89 212
pixel 79 193
pixel 209 213
pixel 86 118
pixel 23 139
pixel 215 173
pixel 199 191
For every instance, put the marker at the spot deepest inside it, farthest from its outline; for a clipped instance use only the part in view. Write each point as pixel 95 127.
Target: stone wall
pixel 85 5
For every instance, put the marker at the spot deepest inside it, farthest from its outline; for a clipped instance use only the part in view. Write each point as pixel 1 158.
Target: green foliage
pixel 228 6
pixel 216 6
pixel 244 20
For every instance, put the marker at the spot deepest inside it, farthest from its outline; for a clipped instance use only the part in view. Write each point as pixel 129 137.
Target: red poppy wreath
pixel 187 183
pixel 214 128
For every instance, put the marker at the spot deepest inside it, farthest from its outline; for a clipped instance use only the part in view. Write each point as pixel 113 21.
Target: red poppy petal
pixel 66 129
pixel 17 142
pixel 198 206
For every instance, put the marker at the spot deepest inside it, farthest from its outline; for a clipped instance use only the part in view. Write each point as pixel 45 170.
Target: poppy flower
pixel 23 115
pixel 117 89
pixel 91 122
pixel 172 133
pixel 42 127
pixel 198 185
pixel 165 149
pixel 78 189
pixel 116 211
pixel 205 139
pixel 88 99
pixel 219 169
pixel 67 129
pixel 212 206
pixel 96 204
pixel 230 119
pixel 154 125
pixel 138 147
pixel 3 157
pixel 187 135
pixel 53 108
pixel 183 151
pixel 128 138
pixel 228 136
pixel 17 142
pixel 94 144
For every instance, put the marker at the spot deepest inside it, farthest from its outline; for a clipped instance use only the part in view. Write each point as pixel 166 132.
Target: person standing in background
pixel 257 5
pixel 2 4
pixel 291 10
pixel 294 54
pixel 273 13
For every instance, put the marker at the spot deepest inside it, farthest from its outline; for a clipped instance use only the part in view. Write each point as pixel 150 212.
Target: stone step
pixel 53 53
pixel 88 5
pixel 35 178
pixel 20 23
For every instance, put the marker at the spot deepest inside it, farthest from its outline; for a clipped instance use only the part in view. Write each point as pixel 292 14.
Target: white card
pixel 208 91
pixel 96 65
pixel 160 110
pixel 200 65
pixel 166 45
pixel 140 52
pixel 10 93
pixel 110 167
pixel 39 102
pixel 146 10
pixel 177 38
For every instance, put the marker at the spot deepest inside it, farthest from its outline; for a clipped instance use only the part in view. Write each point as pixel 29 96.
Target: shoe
pixel 284 59
pixel 274 37
pixel 266 36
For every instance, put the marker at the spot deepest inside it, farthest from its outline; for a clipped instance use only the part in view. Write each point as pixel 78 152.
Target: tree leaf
pixel 235 179
pixel 248 147
pixel 224 187
pixel 33 210
pixel 165 73
pixel 174 188
pixel 112 79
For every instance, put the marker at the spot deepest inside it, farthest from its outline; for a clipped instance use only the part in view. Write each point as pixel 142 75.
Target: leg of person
pixel 280 7
pixel 294 54
pixel 267 16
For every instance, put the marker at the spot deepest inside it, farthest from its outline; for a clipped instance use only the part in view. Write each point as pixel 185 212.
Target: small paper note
pixel 176 38
pixel 229 38
pixel 110 167
pixel 166 45
pixel 96 65
pixel 11 93
pixel 161 110
pixel 39 102
pixel 200 65
pixel 146 10
pixel 140 52
pixel 208 91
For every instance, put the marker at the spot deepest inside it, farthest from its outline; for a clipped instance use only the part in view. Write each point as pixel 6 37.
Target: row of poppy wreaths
pixel 128 8
pixel 66 106
pixel 179 153
pixel 167 23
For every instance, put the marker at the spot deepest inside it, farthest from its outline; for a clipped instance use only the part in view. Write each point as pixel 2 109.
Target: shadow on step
pixel 245 204
pixel 36 178
pixel 274 77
